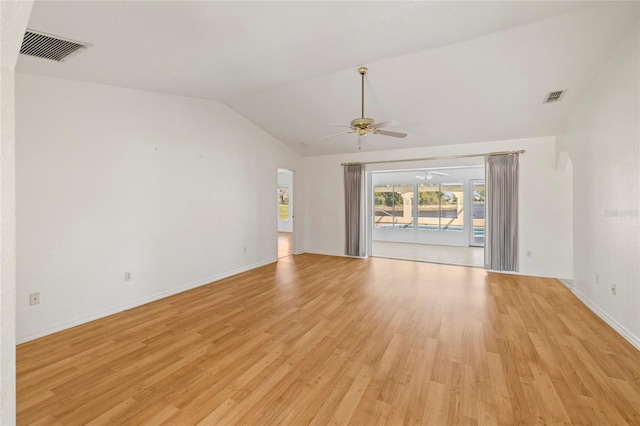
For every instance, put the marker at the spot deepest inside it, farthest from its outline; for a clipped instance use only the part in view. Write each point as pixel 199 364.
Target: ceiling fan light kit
pixel 429 175
pixel 363 125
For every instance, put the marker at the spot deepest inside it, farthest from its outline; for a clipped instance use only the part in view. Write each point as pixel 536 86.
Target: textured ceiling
pixel 449 72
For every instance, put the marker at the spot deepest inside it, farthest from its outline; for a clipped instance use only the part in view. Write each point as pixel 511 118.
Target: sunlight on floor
pixel 285 244
pixel 465 256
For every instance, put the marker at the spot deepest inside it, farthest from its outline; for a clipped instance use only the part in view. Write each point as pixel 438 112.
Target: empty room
pixel 293 213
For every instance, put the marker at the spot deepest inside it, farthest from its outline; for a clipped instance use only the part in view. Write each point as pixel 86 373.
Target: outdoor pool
pixel 477 231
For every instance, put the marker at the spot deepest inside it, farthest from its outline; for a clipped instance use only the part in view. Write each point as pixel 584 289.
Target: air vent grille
pixel 554 96
pixel 48 46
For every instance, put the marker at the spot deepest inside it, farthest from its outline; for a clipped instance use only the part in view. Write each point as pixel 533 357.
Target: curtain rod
pixel 447 157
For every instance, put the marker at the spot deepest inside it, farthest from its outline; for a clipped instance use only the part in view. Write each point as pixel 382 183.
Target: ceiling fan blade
pixel 337 134
pixel 392 134
pixel 389 123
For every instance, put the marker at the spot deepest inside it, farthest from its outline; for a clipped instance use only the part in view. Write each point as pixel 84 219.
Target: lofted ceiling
pixel 449 72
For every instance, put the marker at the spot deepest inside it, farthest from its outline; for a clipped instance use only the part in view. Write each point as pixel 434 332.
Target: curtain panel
pixel 353 201
pixel 501 242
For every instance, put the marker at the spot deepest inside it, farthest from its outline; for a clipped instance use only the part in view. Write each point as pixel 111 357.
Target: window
pixel 394 206
pixel 452 207
pixel 441 207
pixel 283 203
pixel 429 206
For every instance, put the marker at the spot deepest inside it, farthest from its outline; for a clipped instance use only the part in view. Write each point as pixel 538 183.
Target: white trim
pixel 629 336
pixel 429 261
pixel 326 253
pixel 520 274
pixel 568 283
pixel 161 295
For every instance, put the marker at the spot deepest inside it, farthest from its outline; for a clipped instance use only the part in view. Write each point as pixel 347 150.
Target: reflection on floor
pixel 464 256
pixel 285 244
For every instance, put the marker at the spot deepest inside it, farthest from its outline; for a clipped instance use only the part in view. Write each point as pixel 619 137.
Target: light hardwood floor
pixel 285 244
pixel 449 255
pixel 326 340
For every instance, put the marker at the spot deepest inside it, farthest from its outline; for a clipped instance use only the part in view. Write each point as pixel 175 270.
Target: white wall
pixel 602 138
pixel 172 189
pixel 14 16
pixel 547 235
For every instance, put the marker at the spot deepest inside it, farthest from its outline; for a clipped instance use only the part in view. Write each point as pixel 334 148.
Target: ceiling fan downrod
pixel 362 132
pixel 362 71
pixel 361 125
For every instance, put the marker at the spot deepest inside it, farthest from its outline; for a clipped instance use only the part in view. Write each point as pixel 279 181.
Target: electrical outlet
pixel 127 276
pixel 244 249
pixel 597 279
pixel 34 298
pixel 613 289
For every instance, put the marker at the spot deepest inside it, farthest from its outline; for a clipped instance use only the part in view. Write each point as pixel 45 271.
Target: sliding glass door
pixel 478 213
pixel 429 213
pixel 427 206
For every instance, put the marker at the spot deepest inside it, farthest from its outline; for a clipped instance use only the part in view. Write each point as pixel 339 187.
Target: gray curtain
pixel 501 203
pixel 352 202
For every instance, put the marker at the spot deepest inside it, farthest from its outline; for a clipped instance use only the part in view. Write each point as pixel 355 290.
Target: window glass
pixel 441 207
pixel 393 206
pixel 429 206
pixel 452 207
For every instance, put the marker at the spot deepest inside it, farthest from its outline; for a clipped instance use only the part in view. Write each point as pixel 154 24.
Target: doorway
pixel 431 215
pixel 285 213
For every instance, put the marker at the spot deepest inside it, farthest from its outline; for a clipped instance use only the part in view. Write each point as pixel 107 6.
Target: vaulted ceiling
pixel 448 72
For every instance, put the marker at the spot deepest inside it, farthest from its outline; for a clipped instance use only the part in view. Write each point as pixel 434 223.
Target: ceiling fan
pixel 429 175
pixel 362 126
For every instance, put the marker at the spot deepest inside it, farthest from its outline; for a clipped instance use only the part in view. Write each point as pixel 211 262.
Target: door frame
pixel 292 204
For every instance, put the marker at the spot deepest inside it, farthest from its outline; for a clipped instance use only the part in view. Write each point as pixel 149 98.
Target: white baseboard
pixel 326 253
pixel 567 283
pixel 521 274
pixel 629 336
pixel 156 296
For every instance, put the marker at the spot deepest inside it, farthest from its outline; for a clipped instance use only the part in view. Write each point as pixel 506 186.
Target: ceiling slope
pixel 484 89
pixel 449 72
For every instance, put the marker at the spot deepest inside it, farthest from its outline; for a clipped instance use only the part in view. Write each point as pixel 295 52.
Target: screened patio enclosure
pixel 443 206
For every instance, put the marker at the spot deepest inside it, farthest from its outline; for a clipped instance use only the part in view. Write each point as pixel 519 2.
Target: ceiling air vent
pixel 554 96
pixel 47 46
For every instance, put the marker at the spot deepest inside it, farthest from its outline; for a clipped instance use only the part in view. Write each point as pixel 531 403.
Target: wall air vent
pixel 47 46
pixel 554 96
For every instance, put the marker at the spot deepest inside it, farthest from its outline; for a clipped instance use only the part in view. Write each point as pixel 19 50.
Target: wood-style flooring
pixel 326 340
pixel 448 255
pixel 285 244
